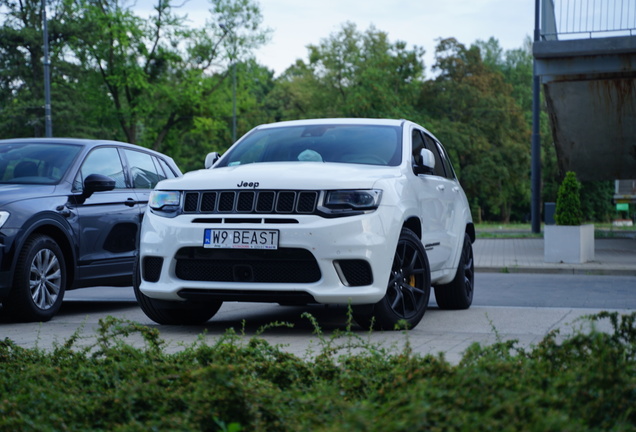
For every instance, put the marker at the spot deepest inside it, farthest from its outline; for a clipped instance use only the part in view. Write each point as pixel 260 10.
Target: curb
pixel 554 270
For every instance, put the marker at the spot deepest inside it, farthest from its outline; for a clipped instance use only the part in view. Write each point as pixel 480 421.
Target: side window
pixel 166 169
pixel 105 161
pixel 417 144
pixel 439 165
pixel 144 170
pixel 450 172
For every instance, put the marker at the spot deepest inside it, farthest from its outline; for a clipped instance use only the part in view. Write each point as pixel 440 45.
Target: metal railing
pixel 581 19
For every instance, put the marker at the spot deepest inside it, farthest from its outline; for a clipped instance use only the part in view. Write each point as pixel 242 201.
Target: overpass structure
pixel 585 61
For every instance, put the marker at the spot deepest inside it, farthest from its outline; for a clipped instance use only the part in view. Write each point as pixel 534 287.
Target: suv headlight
pixel 165 203
pixel 4 215
pixel 353 200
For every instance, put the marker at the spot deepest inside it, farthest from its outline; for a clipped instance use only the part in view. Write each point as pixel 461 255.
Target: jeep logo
pixel 245 184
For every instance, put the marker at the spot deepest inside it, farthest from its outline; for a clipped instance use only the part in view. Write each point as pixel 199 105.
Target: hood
pixel 284 175
pixel 17 192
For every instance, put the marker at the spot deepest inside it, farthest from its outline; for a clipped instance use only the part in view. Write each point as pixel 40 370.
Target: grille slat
pixel 208 202
pixel 191 202
pixel 251 202
pixel 245 202
pixel 226 201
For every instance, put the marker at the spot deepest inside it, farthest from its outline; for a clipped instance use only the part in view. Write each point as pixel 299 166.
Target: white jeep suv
pixel 364 212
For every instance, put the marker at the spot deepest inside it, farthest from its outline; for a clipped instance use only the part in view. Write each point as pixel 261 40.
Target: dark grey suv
pixel 70 211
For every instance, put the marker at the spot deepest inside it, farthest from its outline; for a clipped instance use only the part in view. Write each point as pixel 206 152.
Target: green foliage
pixel 352 74
pixel 597 200
pixel 585 381
pixel 472 109
pixel 145 80
pixel 568 204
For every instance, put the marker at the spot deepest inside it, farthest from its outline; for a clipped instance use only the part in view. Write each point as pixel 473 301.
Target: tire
pixel 39 283
pixel 173 312
pixel 408 291
pixel 458 294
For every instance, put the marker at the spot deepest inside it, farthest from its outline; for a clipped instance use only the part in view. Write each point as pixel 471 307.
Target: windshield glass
pixel 35 163
pixel 357 144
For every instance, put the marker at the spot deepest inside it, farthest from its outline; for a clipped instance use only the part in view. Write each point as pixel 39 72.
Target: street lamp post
pixel 234 101
pixel 227 30
pixel 48 126
pixel 536 137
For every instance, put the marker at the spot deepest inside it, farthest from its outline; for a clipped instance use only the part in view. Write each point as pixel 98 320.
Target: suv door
pixel 437 204
pixel 108 222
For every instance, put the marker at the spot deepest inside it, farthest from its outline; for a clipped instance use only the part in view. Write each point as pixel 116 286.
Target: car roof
pixel 84 142
pixel 334 121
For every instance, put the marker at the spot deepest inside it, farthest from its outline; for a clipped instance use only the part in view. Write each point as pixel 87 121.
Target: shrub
pixel 568 204
pixel 582 382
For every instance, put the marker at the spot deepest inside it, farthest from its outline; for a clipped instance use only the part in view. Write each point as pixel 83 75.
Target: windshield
pixel 35 163
pixel 357 144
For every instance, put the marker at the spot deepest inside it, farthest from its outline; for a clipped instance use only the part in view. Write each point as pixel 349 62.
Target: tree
pixel 568 205
pixel 145 81
pixel 470 106
pixel 159 73
pixel 21 69
pixel 353 74
pixel 210 129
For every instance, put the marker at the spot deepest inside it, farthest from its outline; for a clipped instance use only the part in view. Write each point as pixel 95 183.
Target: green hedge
pixel 585 382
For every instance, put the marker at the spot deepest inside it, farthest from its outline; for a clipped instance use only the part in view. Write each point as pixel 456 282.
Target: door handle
pixel 130 202
pixel 455 189
pixel 440 188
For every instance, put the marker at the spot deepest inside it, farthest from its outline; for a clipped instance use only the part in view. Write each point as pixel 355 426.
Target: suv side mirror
pixel 211 159
pixel 425 163
pixel 95 183
pixel 98 183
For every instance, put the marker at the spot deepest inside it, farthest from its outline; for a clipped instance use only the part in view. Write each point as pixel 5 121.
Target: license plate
pixel 240 239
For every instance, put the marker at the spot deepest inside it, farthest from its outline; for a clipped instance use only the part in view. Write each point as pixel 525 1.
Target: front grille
pixel 251 201
pixel 355 272
pixel 285 265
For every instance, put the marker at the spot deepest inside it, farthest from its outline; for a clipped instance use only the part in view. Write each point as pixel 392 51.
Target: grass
pixel 520 230
pixel 585 382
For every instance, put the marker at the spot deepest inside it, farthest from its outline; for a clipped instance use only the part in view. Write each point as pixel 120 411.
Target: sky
pixel 298 23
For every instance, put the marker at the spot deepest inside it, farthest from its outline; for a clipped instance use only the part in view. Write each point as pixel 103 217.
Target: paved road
pixel 492 289
pixel 555 290
pixel 523 307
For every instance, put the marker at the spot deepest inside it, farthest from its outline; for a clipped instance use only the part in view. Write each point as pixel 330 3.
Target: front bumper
pixel 330 260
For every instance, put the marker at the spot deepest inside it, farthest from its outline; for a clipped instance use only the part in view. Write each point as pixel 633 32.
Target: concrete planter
pixel 568 244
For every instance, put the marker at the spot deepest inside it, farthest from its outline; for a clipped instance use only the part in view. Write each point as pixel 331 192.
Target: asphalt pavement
pixel 447 332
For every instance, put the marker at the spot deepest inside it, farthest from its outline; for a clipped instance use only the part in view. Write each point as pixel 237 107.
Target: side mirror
pixel 211 159
pixel 94 183
pixel 425 164
pixel 98 183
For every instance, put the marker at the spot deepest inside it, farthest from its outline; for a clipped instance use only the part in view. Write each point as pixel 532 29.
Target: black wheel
pixel 173 312
pixel 408 291
pixel 458 294
pixel 39 282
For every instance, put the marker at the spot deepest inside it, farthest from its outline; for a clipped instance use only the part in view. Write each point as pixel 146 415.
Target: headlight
pixel 365 199
pixel 165 201
pixel 4 215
